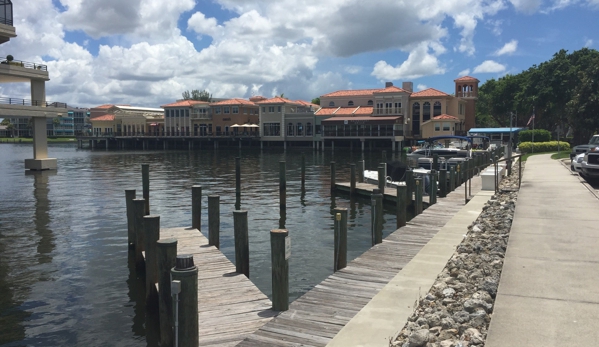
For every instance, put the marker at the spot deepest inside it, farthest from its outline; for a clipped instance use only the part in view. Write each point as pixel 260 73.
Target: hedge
pixel 549 146
pixel 541 135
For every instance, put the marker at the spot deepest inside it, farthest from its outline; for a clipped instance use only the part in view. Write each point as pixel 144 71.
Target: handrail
pixel 26 64
pixel 508 160
pixel 27 102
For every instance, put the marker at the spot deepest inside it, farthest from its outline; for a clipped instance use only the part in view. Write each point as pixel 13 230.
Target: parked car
pixel 590 166
pixel 593 142
pixel 575 164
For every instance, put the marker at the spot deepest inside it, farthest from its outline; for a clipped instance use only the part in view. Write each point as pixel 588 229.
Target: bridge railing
pixel 26 64
pixel 27 102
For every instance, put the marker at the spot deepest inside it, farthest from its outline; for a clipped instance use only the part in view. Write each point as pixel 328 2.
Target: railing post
pixel 333 174
pixel 361 171
pixel 214 220
pixel 435 165
pixel 432 193
pixel 381 178
pixel 419 187
pixel 519 171
pixel 145 178
pixel 377 216
pixel 196 207
pixel 443 183
pixel 352 179
pixel 410 184
pixel 186 273
pixel 451 179
pixel 129 196
pixel 401 213
pixel 280 252
pixel 138 222
pixel 340 239
pixel 242 250
pixel 166 253
pixel 152 231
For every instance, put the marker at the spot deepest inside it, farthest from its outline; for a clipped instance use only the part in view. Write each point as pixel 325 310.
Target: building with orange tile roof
pixel 287 121
pixel 232 117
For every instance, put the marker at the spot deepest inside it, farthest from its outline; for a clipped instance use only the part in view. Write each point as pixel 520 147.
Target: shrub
pixel 539 147
pixel 541 135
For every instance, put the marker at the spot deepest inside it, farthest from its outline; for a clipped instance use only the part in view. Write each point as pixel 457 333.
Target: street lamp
pixel 509 150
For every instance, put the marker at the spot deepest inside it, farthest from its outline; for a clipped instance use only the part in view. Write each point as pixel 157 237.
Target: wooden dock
pixel 230 306
pixel 317 316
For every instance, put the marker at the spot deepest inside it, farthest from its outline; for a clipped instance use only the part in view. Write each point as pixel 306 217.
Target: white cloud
pixel 202 25
pixel 527 6
pixel 509 48
pixel 421 87
pixel 489 66
pixel 588 43
pixel 464 73
pixel 419 63
pixel 353 69
pixel 496 26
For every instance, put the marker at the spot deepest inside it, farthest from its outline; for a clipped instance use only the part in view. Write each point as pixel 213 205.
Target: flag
pixel 532 118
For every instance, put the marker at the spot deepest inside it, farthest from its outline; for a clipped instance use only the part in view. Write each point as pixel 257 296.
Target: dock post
pixel 410 185
pixel 166 253
pixel 280 249
pixel 139 206
pixel 418 196
pixel 451 179
pixel 435 165
pixel 443 183
pixel 377 216
pixel 242 250
pixel 186 309
pixel 361 170
pixel 432 189
pixel 145 179
pixel 333 176
pixel 401 205
pixel 352 179
pixel 340 239
pixel 384 156
pixel 152 231
pixel 282 185
pixel 214 220
pixel 238 177
pixel 196 207
pixel 381 178
pixel 129 196
pixel 303 171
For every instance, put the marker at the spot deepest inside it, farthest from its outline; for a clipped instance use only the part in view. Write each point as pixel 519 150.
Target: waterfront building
pixel 75 122
pixel 187 117
pixel 118 120
pixel 235 117
pixel 287 121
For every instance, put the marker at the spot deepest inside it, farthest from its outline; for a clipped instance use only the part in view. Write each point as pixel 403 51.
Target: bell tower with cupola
pixel 466 89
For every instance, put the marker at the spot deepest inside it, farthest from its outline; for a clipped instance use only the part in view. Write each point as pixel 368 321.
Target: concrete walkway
pixel 549 289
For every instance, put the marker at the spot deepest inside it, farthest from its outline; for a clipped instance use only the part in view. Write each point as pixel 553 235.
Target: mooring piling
pixel 185 281
pixel 352 179
pixel 214 220
pixel 152 231
pixel 333 174
pixel 139 206
pixel 340 239
pixel 282 185
pixel 166 254
pixel 419 187
pixel 196 207
pixel 145 179
pixel 129 196
pixel 401 206
pixel 280 248
pixel 377 216
pixel 242 251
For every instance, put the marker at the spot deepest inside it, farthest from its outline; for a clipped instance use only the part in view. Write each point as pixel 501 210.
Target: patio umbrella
pixel 235 126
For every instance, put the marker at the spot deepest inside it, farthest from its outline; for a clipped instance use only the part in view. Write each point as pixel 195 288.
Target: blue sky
pixel 147 52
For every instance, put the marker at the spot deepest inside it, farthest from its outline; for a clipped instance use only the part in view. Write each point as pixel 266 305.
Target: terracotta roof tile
pixel 104 106
pixel 277 100
pixel 445 116
pixel 466 79
pixel 392 89
pixel 364 110
pixel 188 103
pixel 326 111
pixel 306 103
pixel 372 118
pixel 234 101
pixel 103 118
pixel 430 92
pixel 362 92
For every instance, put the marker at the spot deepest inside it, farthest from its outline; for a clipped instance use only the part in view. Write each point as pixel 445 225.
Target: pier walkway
pixel 548 293
pixel 316 317
pixel 230 306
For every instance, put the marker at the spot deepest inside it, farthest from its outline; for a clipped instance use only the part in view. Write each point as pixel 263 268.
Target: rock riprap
pixel 457 310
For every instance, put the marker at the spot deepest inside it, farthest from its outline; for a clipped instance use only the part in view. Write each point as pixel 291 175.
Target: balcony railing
pixel 161 133
pixel 394 110
pixel 25 64
pixel 467 95
pixel 207 116
pixel 25 102
pixel 6 12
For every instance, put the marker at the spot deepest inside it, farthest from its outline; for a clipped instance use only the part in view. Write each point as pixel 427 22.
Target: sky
pixel 148 52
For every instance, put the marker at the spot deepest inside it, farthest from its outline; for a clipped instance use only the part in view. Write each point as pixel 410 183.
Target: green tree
pixel 196 94
pixel 316 101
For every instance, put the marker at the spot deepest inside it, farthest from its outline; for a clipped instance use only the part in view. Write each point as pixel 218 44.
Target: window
pixel 461 109
pixel 350 103
pixel 379 108
pixel 437 108
pixel 416 118
pixel 317 129
pixel 300 129
pixel 279 109
pixel 290 129
pixel 235 109
pixel 437 126
pixel 245 111
pixel 272 129
pixel 187 113
pixel 426 111
pixel 308 129
pixel 217 110
pixel 226 109
pixel 271 109
pixel 263 109
pixel 446 126
pixel 331 104
pixel 397 108
pixel 369 103
pixel 388 107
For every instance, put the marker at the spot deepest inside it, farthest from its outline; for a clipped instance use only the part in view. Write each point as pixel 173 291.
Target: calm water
pixel 66 277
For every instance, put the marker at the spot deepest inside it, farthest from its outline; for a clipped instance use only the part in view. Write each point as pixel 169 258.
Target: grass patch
pixel 555 155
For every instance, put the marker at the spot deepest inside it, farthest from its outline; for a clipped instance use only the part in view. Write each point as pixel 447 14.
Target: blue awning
pixel 494 130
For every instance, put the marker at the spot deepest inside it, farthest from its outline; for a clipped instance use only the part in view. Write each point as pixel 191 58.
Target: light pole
pixel 509 149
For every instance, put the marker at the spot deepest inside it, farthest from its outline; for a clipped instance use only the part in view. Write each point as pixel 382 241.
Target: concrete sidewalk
pixel 549 289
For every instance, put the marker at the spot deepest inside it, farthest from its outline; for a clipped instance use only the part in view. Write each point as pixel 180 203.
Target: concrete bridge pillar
pixel 40 159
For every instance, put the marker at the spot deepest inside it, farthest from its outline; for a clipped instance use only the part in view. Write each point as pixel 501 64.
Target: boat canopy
pixel 443 137
pixel 485 138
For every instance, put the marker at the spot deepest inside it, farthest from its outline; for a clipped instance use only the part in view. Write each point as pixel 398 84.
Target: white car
pixel 575 164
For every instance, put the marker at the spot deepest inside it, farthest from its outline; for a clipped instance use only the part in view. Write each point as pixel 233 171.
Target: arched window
pixel 437 108
pixel 350 103
pixel 370 103
pixel 426 111
pixel 331 104
pixel 416 118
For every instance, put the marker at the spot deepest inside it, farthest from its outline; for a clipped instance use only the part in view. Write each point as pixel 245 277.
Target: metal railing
pixel 25 64
pixel 467 94
pixel 26 102
pixel 171 134
pixel 509 168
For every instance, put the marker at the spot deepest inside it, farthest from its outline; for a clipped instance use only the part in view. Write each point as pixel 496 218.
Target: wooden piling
pixel 139 206
pixel 435 165
pixel 381 178
pixel 282 185
pixel 377 216
pixel 187 306
pixel 432 188
pixel 352 179
pixel 361 171
pixel 333 174
pixel 196 207
pixel 145 180
pixel 152 231
pixel 242 250
pixel 443 183
pixel 238 177
pixel 280 248
pixel 214 220
pixel 340 239
pixel 401 212
pixel 166 253
pixel 410 184
pixel 451 179
pixel 419 187
pixel 129 196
